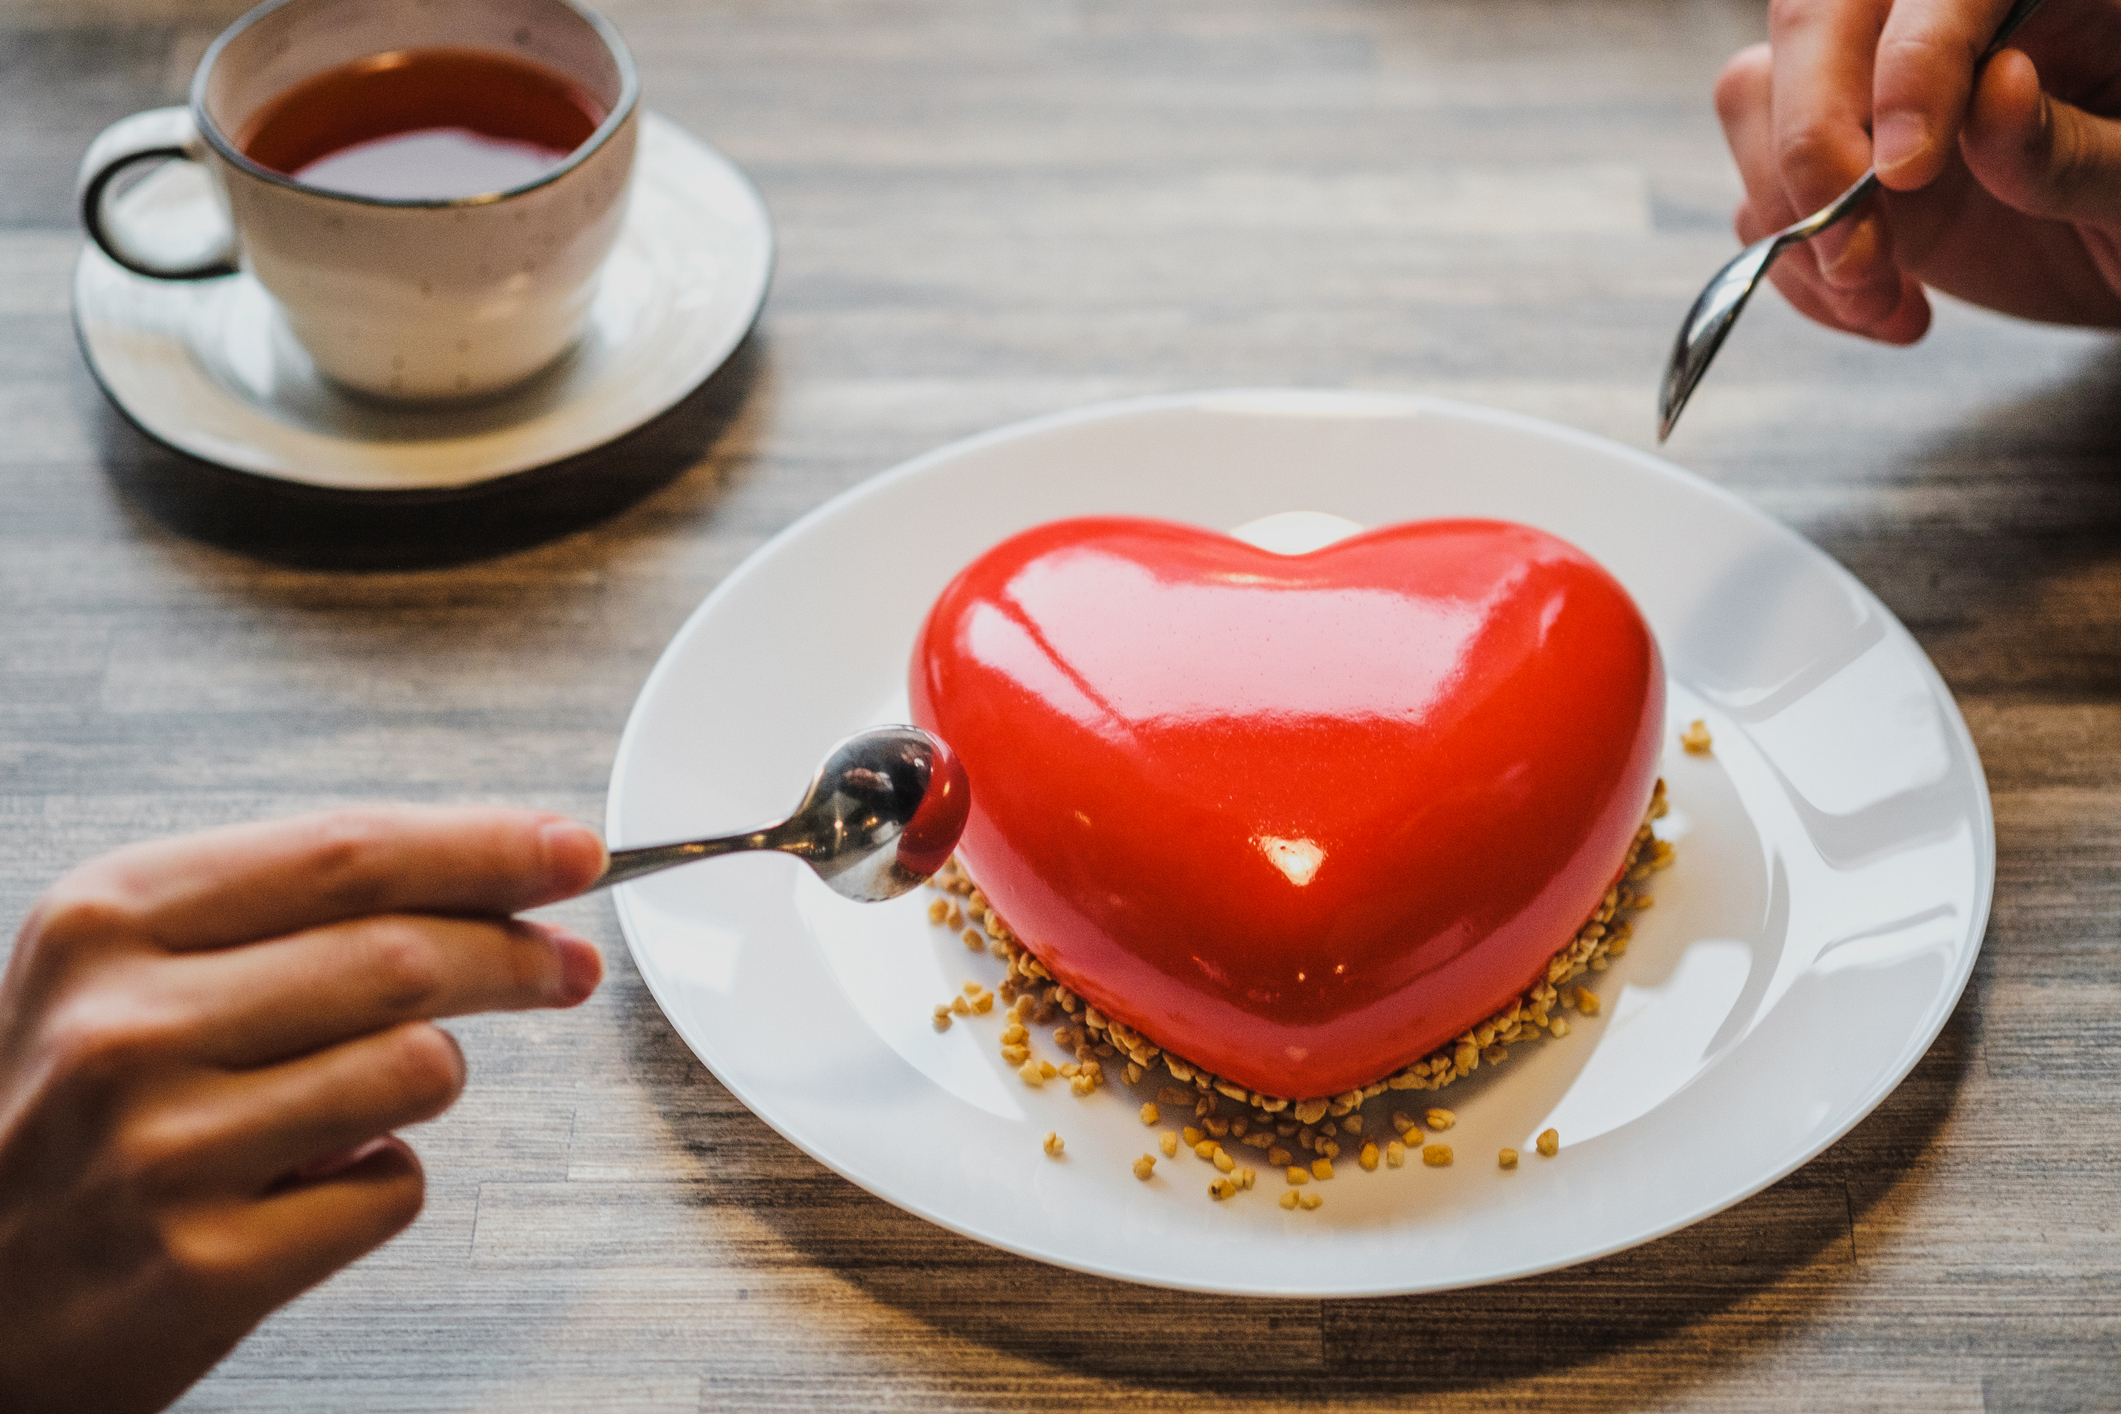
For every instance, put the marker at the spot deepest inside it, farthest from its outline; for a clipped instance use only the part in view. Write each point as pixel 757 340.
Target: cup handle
pixel 160 134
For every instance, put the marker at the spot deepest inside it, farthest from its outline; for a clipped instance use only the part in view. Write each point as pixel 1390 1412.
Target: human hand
pixel 2002 188
pixel 204 1045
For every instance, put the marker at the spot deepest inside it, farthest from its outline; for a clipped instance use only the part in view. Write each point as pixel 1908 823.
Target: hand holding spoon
pixel 882 814
pixel 1719 304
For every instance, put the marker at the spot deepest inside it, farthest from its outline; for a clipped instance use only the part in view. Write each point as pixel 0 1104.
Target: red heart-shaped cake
pixel 1299 819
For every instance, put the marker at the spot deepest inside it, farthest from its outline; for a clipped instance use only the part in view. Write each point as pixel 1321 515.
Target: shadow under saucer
pixel 315 527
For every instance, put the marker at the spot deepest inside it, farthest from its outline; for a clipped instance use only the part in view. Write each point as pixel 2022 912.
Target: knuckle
pixel 80 910
pixel 107 1035
pixel 1807 153
pixel 1924 41
pixel 342 848
pixel 2074 167
pixel 155 1157
pixel 206 1255
pixel 1789 15
pixel 404 964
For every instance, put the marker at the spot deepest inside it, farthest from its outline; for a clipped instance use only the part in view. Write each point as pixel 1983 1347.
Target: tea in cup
pixel 428 190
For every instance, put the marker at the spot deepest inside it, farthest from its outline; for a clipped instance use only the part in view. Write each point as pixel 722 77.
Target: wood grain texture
pixel 993 210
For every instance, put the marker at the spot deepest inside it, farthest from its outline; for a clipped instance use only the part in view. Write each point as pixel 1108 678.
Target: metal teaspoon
pixel 882 814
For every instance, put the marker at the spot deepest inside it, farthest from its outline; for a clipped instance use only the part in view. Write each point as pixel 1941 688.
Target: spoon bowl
pixel 882 814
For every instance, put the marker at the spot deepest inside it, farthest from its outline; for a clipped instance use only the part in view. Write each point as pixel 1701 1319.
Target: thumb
pixel 2039 154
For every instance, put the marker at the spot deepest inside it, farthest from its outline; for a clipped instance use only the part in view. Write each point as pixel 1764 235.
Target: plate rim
pixel 1321 402
pixel 755 215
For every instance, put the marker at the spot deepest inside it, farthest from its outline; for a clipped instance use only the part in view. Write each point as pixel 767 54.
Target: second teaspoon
pixel 1717 307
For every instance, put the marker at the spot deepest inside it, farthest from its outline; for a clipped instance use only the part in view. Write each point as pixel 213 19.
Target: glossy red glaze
pixel 938 822
pixel 1299 819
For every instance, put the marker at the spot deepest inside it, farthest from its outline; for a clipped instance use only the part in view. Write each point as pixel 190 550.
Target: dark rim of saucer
pixel 629 97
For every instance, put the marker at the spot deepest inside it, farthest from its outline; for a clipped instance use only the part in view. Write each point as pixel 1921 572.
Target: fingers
pixel 1866 293
pixel 2038 154
pixel 238 1135
pixel 234 885
pixel 263 1253
pixel 1821 108
pixel 1925 77
pixel 1822 59
pixel 294 995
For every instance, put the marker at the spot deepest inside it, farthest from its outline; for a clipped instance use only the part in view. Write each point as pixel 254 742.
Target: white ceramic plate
pixel 1835 863
pixel 210 368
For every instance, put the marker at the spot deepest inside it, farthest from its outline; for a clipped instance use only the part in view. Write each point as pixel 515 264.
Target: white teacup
pixel 402 299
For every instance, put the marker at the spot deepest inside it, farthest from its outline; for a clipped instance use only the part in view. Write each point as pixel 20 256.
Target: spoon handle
pixel 2019 14
pixel 649 858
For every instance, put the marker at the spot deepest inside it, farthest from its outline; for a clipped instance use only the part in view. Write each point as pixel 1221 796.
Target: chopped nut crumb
pixel 1507 1158
pixel 1247 1177
pixel 1309 1201
pixel 1288 1199
pixel 1054 1144
pixel 1221 1188
pixel 1696 738
pixel 1144 1166
pixel 1297 1177
pixel 938 910
pixel 1031 997
pixel 1192 1136
pixel 1322 1169
pixel 1549 1143
pixel 1223 1161
pixel 1206 1150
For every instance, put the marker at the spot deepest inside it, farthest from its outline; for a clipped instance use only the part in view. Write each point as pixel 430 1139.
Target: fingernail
pixel 1898 139
pixel 573 855
pixel 581 967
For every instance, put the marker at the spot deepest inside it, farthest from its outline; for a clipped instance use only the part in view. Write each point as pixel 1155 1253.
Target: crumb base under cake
pixel 1036 999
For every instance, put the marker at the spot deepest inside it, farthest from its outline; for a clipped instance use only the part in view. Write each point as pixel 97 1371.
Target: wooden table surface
pixel 992 210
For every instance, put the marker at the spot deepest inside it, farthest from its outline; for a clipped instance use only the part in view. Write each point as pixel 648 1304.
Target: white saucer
pixel 210 368
pixel 1836 858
